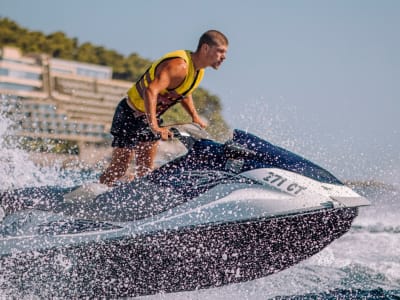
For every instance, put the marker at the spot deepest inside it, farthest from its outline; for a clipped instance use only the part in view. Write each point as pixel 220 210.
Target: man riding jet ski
pixel 220 213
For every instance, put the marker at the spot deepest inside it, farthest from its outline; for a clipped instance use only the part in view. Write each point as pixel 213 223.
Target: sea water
pixel 362 264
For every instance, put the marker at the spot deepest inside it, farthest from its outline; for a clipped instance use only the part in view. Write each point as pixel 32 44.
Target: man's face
pixel 216 55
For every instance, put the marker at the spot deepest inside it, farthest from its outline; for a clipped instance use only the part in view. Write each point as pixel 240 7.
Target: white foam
pixel 16 168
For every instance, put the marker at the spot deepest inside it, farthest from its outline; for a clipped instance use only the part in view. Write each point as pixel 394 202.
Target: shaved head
pixel 213 38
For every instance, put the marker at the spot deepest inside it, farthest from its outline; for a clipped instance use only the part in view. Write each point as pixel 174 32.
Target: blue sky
pixel 320 77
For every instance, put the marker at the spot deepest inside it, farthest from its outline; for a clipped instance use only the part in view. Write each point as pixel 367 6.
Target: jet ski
pixel 218 214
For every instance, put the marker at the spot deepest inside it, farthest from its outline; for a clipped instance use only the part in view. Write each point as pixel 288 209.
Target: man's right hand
pixel 164 133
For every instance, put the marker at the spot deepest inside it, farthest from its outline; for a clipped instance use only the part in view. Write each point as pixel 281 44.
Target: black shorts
pixel 127 129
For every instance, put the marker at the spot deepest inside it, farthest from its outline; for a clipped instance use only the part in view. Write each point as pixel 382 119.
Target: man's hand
pixel 200 122
pixel 164 133
pixel 188 105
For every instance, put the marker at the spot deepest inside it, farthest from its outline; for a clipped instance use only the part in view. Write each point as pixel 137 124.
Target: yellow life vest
pixel 166 98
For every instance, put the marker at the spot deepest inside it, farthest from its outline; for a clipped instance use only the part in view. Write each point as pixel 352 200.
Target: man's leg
pixel 120 161
pixel 145 155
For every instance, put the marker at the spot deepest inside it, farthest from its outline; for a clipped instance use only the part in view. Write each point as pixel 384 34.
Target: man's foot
pixel 86 193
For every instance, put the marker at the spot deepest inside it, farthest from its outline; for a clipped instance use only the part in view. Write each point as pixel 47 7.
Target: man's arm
pixel 169 74
pixel 188 105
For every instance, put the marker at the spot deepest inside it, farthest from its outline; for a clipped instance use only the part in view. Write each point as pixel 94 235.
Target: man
pixel 170 80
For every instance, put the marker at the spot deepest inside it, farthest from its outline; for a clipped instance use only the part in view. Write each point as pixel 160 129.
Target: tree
pixel 60 46
pixel 10 32
pixel 86 53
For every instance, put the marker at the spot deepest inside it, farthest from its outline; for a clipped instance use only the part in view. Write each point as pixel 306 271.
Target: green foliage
pixel 128 68
pixel 10 33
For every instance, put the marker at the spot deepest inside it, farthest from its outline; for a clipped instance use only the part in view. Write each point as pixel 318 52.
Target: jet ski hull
pixel 184 259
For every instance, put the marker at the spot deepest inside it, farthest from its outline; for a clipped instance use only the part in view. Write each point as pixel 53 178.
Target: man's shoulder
pixel 184 54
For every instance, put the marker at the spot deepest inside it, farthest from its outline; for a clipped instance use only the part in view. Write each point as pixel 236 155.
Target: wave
pixel 371 184
pixel 376 228
pixel 347 294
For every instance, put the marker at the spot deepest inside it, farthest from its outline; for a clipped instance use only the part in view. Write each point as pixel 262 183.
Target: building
pixel 58 99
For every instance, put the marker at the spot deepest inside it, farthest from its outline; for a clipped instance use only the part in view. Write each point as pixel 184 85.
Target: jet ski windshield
pixel 277 157
pixel 251 151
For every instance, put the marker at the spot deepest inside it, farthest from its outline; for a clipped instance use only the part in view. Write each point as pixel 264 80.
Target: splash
pixel 17 170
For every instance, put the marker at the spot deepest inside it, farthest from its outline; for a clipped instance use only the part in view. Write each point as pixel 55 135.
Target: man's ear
pixel 205 47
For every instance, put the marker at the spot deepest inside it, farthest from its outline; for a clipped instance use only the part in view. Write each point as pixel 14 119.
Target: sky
pixel 319 77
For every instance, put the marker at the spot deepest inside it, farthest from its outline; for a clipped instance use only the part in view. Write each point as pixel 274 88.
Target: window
pixel 15 86
pixel 20 74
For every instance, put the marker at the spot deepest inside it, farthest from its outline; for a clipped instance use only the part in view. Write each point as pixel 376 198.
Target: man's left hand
pixel 200 122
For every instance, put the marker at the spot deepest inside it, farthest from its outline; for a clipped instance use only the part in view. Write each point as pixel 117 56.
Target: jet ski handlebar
pixel 188 134
pixel 186 140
